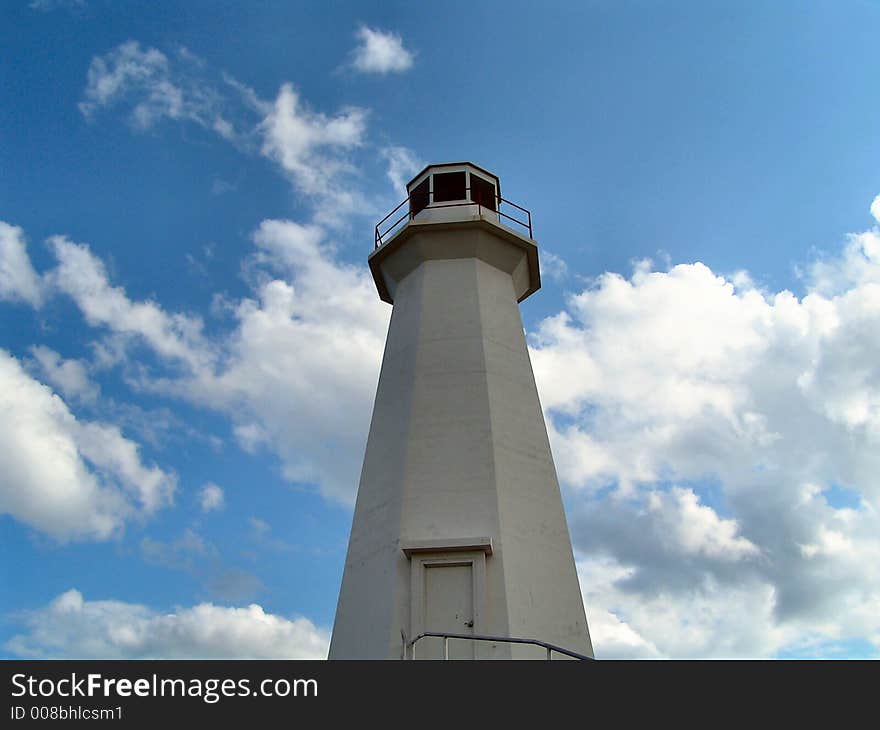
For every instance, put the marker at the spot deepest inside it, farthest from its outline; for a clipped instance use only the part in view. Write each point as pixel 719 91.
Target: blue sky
pixel 189 340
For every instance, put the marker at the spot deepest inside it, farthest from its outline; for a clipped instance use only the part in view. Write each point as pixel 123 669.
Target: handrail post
pixel 446 647
pixel 549 653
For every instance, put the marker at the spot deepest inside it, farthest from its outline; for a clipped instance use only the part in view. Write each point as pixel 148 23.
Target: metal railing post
pixel 446 647
pixel 549 653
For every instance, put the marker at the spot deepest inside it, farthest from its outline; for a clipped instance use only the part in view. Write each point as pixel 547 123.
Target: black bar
pixel 747 693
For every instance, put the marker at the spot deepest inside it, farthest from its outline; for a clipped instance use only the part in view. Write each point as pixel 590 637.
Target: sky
pixel 190 339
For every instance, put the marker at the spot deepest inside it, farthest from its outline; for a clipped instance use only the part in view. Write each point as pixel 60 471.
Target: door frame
pixel 424 559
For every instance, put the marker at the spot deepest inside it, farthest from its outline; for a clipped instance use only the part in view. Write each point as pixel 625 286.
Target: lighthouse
pixel 459 546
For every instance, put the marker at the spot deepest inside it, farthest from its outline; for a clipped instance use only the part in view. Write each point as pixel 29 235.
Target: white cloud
pixel 859 264
pixel 696 529
pixel 109 452
pixel 250 436
pixel 83 277
pixel 300 369
pixel 293 134
pixel 875 208
pixel 380 52
pixel 18 280
pixel 757 401
pixel 211 497
pixel 68 478
pixel 649 360
pixel 69 376
pixel 402 166
pixel 72 627
pixel 310 147
pixel 113 75
pixel 155 88
pixel 307 146
pixel 701 621
pixel 296 374
pixel 553 266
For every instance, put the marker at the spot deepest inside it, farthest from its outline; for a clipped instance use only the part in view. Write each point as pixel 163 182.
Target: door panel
pixel 449 606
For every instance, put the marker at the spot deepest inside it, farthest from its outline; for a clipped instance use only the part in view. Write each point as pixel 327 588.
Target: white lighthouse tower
pixel 459 546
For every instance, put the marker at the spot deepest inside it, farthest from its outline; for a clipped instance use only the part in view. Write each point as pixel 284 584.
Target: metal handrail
pixel 408 216
pixel 446 636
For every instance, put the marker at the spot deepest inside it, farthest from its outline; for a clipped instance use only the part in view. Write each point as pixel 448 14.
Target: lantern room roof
pixel 440 165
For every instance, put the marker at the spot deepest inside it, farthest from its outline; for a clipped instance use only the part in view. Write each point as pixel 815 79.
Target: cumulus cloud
pixel 701 427
pixel 73 627
pixel 211 497
pixel 300 369
pixel 380 52
pixel 700 621
pixel 859 265
pixel 297 372
pixel 18 280
pixel 673 522
pixel 307 146
pixel 68 478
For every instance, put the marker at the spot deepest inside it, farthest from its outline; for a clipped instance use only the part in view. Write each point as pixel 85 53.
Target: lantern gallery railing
pixel 415 206
pixel 446 636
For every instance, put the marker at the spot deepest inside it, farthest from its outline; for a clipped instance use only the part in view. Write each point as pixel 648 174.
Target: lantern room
pixel 454 192
pixel 449 185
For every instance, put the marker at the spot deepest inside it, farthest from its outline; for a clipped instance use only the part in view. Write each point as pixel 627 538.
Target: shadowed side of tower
pixel 458 526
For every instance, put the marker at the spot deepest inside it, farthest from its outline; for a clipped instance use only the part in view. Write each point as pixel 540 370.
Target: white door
pixel 449 606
